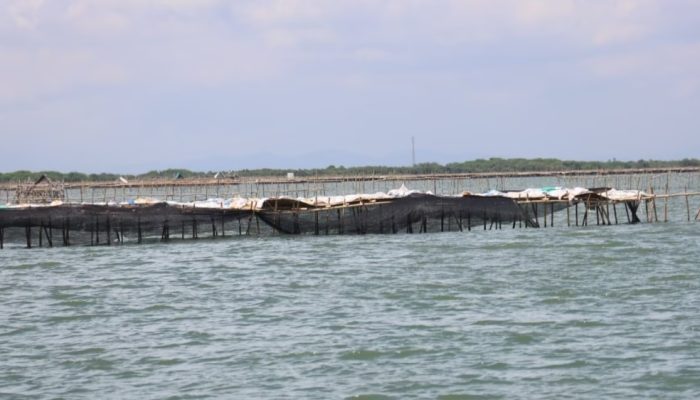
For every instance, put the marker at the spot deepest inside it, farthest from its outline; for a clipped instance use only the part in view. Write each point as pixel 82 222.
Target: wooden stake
pixel 544 213
pixel 316 231
pixel 597 214
pixel 666 201
pixel 534 209
pixel 63 234
pixel 646 209
pixel 109 234
pixel 551 220
pixel 49 236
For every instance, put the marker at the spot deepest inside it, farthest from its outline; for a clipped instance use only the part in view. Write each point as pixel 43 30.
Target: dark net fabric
pixel 417 213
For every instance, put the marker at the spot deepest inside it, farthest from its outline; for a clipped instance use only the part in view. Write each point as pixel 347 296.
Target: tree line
pixel 471 166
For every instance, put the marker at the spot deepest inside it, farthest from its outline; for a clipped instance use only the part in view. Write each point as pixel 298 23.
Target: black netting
pixel 411 214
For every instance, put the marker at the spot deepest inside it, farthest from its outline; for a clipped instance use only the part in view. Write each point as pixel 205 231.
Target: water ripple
pixel 591 312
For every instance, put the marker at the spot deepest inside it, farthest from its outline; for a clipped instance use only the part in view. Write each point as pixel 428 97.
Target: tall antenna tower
pixel 413 150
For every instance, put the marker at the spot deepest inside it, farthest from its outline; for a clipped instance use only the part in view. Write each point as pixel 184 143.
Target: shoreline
pixel 267 179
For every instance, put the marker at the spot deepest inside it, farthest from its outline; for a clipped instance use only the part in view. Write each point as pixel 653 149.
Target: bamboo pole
pixel 551 220
pixel 653 204
pixel 544 213
pixel 666 200
pixel 646 209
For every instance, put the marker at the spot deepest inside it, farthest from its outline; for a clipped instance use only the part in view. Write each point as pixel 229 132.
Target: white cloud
pixel 49 71
pixel 57 46
pixel 24 12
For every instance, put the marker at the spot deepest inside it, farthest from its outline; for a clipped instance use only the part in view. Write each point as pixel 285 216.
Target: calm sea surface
pixel 596 312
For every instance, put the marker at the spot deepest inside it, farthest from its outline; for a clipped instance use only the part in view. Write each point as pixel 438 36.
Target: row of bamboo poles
pixel 201 189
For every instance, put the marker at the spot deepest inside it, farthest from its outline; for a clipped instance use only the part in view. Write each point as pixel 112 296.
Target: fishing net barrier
pixel 108 223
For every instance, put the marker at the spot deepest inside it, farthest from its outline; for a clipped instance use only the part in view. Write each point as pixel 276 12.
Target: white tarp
pixel 624 195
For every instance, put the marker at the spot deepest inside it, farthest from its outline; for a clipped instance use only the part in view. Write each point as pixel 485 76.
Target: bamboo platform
pixel 118 223
pixel 104 213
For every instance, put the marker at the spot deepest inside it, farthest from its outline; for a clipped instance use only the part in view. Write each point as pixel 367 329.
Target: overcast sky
pixel 134 85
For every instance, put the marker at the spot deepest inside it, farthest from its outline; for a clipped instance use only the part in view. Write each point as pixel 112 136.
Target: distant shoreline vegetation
pixel 473 166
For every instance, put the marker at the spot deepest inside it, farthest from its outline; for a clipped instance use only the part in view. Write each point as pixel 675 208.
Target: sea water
pixel 587 312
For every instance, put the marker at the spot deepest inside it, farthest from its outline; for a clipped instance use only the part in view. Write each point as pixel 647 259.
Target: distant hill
pixel 473 166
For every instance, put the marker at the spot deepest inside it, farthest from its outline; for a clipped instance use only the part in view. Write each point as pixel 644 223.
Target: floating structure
pixel 396 211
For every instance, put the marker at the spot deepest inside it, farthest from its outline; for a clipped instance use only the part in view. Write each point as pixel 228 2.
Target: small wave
pixel 370 397
pixel 299 355
pixel 465 396
pixel 674 278
pixel 152 308
pixel 670 382
pixel 585 324
pixel 87 350
pixel 361 355
pixel 498 366
pixel 161 361
pixel 198 335
pixel 41 264
pixel 446 297
pixel 93 364
pixel 71 318
pixel 520 338
pixel 496 322
pixel 18 331
pixel 515 245
pixel 566 365
pixel 77 303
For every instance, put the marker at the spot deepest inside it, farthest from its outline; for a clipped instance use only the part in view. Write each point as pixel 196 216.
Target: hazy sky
pixel 133 85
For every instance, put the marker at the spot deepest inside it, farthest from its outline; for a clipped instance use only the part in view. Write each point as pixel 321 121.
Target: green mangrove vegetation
pixel 472 166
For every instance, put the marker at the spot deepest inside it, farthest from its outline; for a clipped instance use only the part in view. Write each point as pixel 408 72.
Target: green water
pixel 596 312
